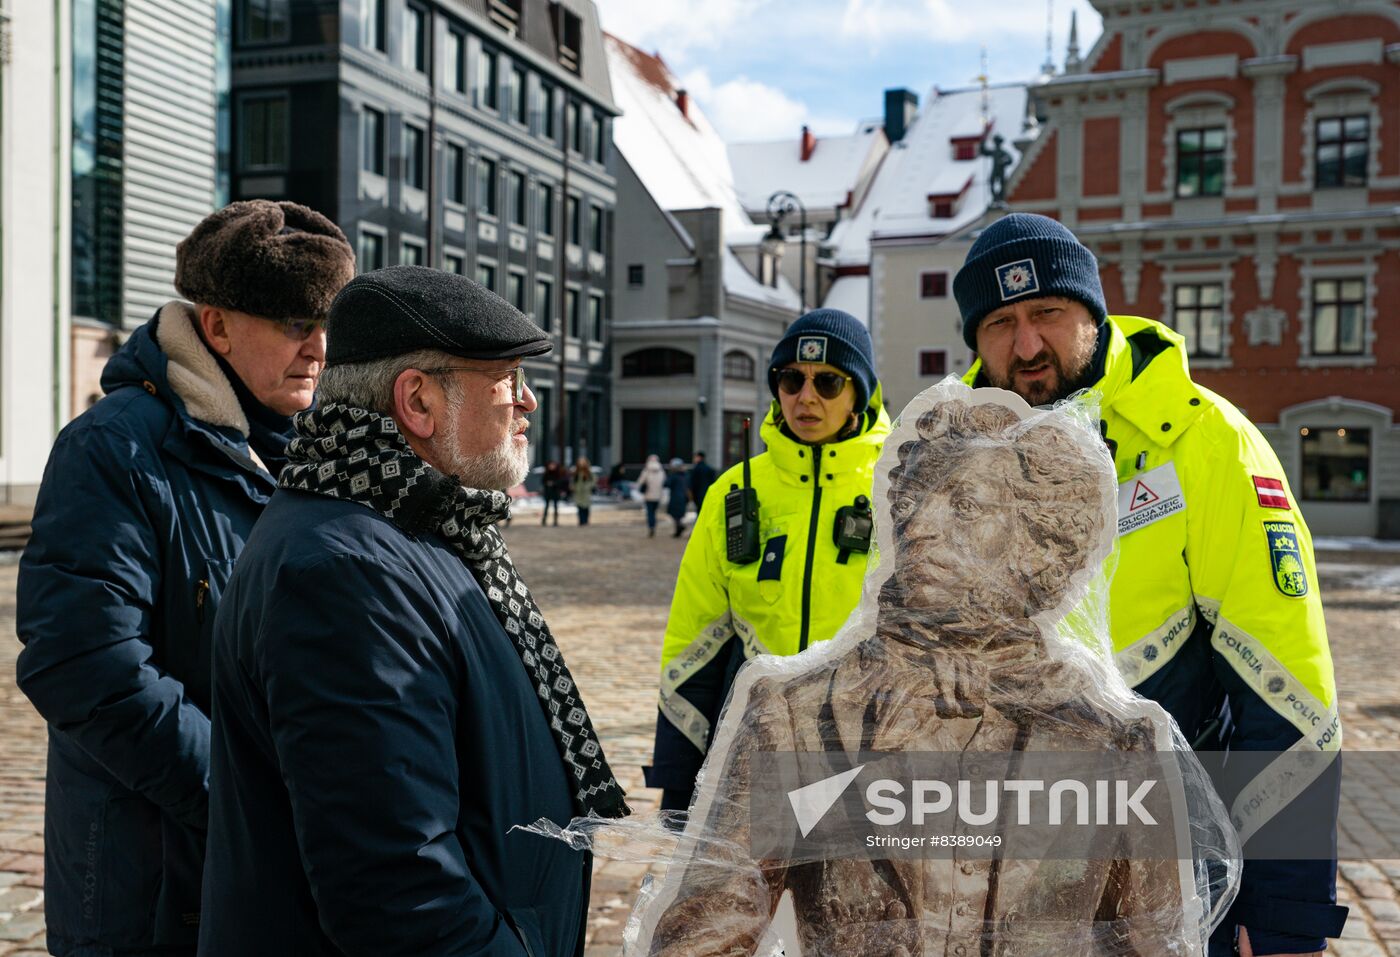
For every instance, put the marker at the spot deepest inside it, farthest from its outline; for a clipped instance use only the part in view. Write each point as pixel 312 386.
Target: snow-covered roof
pixel 850 294
pixel 922 164
pixel 825 179
pixel 681 160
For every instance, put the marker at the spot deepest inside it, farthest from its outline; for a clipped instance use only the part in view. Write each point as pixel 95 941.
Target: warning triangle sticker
pixel 1142 496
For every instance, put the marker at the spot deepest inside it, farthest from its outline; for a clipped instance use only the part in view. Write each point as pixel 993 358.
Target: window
pixel 768 269
pixel 1338 317
pixel 573 312
pixel 568 38
pixel 942 209
pixel 486 80
pixel 486 275
pixel 1336 464
pixel 544 303
pixel 410 253
pixel 547 108
pixel 515 198
pixel 1198 314
pixel 454 159
pixel 454 72
pixel 657 362
pixel 454 262
pixel 595 227
pixel 515 289
pixel 571 213
pixel 486 186
pixel 371 252
pixel 263 133
pixel 506 15
pixel 264 21
pixel 546 197
pixel 933 285
pixel 372 141
pixel 519 87
pixel 595 317
pixel 573 127
pixel 965 149
pixel 413 156
pixel 599 141
pixel 412 52
pixel 372 24
pixel 1200 162
pixel 738 366
pixel 1343 147
pixel 933 362
pixel 636 275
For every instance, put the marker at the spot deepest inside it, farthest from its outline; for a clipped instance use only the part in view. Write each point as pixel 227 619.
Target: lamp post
pixel 781 205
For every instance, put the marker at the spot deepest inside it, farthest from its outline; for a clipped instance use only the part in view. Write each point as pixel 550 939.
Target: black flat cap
pixel 389 312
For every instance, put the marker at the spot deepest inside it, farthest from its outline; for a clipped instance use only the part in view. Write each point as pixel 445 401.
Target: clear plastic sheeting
pixel 983 628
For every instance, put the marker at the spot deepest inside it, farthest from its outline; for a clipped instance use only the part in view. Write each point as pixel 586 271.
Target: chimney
pixel 809 144
pixel 900 107
pixel 683 103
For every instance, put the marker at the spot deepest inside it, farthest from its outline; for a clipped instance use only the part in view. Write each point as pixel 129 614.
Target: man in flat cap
pixel 146 502
pixel 389 701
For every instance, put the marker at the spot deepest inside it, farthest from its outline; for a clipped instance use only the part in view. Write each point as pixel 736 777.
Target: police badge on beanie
pixel 1025 256
pixel 834 337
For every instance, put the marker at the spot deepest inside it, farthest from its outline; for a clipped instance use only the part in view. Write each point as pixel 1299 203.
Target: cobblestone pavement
pixel 605 590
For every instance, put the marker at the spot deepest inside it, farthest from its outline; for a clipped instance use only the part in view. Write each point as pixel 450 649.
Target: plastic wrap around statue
pixel 983 630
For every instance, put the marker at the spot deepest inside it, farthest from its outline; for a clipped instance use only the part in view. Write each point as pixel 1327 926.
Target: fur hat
pixel 271 259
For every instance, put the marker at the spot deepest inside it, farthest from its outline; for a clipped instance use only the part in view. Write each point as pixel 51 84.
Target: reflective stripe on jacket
pixel 1215 603
pixel 797 592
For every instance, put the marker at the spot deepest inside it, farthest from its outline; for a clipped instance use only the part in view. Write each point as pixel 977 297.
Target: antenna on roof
pixel 1047 69
pixel 983 79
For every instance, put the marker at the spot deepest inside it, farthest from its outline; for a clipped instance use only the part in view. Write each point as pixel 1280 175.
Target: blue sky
pixel 762 68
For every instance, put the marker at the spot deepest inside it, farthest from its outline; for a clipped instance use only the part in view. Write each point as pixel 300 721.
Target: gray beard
pixel 505 466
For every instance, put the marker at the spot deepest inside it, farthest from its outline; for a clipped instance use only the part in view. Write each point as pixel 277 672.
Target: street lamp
pixel 781 205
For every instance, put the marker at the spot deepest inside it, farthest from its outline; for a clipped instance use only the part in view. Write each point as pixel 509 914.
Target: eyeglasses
pixel 517 391
pixel 827 384
pixel 299 330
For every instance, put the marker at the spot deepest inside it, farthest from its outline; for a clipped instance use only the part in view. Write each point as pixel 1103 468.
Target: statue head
pixel 992 517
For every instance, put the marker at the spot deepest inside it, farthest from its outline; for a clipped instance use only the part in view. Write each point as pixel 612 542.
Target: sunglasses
pixel 827 384
pixel 299 330
pixel 517 391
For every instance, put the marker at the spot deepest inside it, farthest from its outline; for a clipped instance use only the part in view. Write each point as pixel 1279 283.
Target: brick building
pixel 1235 165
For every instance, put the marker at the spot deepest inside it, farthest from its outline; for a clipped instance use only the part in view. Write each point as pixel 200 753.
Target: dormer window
pixel 506 15
pixel 568 37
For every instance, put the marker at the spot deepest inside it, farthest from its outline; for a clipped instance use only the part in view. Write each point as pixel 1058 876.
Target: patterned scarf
pixel 360 456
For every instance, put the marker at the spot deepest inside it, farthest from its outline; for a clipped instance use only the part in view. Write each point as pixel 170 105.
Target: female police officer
pixel 824 432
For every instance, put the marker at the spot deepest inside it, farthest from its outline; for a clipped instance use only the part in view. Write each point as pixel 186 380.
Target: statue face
pixel 956 541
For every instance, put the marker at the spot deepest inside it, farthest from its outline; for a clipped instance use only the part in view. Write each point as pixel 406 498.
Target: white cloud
pixel 675 27
pixel 743 109
pixel 958 21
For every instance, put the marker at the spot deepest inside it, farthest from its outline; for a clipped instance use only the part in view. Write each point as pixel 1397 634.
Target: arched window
pixel 738 365
pixel 657 362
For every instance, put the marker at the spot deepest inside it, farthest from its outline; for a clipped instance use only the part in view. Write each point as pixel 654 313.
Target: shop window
pixel 1336 464
pixel 657 362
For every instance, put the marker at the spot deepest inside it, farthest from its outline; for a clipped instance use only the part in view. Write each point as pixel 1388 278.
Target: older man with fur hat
pixel 146 502
pixel 389 701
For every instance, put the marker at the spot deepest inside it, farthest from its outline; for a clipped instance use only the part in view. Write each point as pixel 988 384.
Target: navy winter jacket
pixel 142 512
pixel 375 739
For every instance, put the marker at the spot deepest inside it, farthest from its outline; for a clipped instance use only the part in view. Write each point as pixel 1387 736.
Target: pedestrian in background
pixel 146 502
pixel 584 484
pixel 390 701
pixel 702 476
pixel 556 486
pixel 824 432
pixel 678 490
pixel 651 483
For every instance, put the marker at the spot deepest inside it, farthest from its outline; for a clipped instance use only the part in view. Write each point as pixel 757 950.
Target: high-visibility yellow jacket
pixel 1215 606
pixel 797 592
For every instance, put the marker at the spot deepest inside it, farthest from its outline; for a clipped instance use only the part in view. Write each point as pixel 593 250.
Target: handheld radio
pixel 741 516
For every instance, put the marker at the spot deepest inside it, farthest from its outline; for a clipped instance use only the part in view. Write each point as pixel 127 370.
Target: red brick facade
pixel 1196 152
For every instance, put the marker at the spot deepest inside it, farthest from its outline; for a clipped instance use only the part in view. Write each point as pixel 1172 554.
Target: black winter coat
pixel 375 739
pixel 142 512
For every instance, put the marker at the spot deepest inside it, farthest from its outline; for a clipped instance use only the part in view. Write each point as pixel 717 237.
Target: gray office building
pixel 468 135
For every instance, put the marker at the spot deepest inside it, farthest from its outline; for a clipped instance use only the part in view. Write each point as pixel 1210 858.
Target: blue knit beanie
pixel 1025 256
pixel 837 338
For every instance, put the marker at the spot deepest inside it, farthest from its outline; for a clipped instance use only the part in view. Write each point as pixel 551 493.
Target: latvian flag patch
pixel 1270 492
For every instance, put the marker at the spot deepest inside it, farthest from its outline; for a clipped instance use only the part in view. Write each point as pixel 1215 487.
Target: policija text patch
pixel 1148 497
pixel 1289 575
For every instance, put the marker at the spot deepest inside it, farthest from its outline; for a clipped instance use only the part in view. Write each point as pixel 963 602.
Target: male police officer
pixel 1215 609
